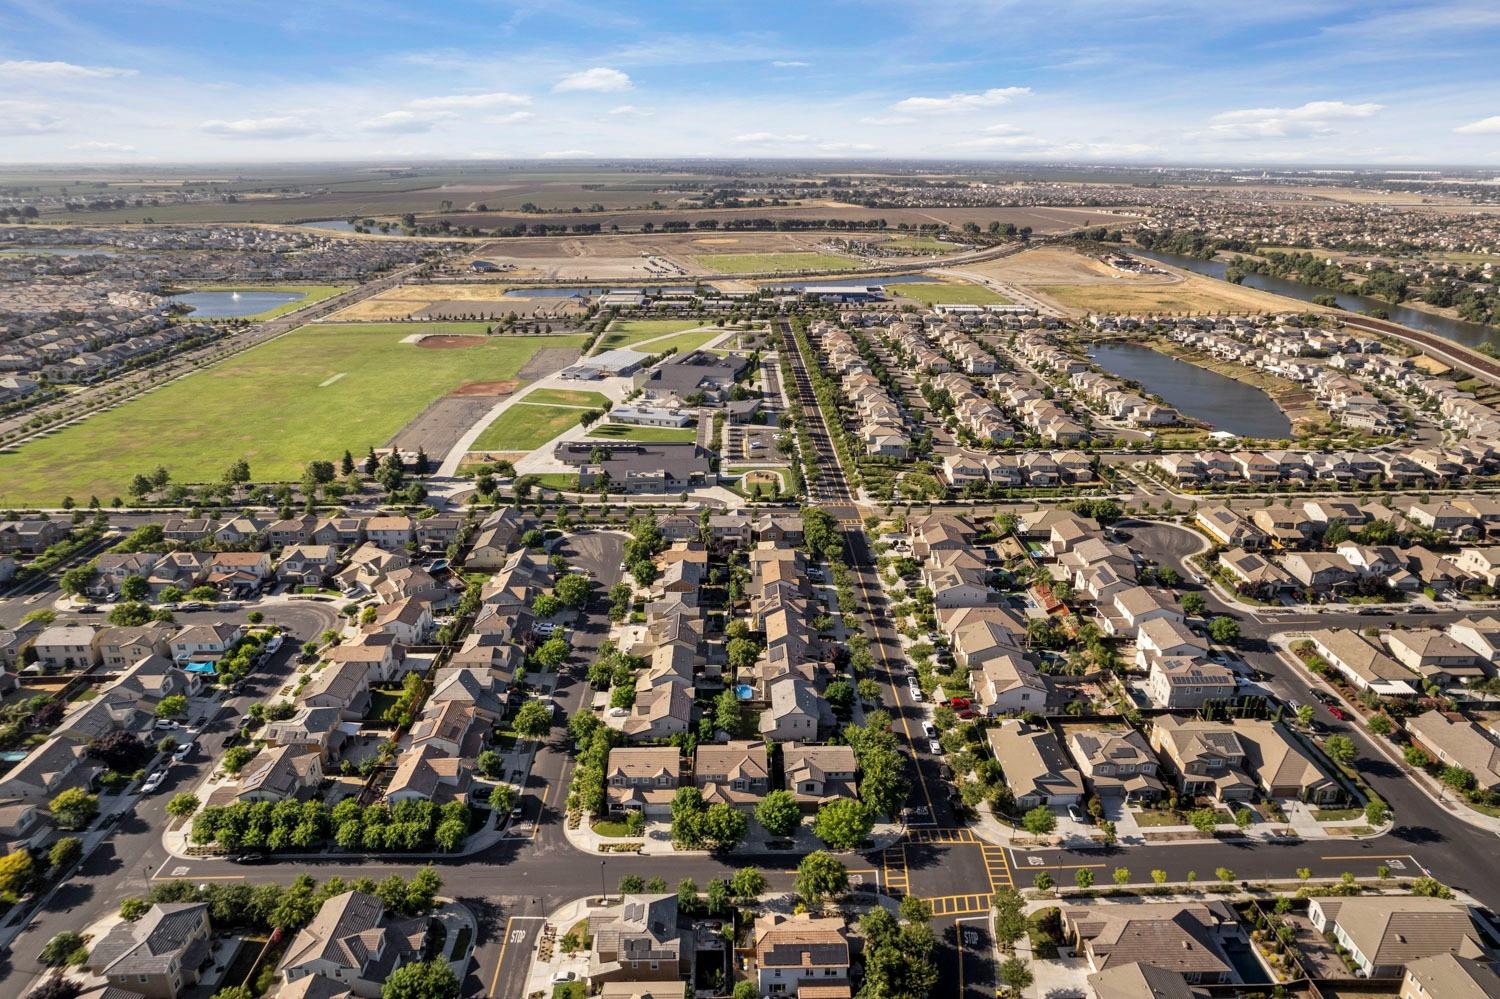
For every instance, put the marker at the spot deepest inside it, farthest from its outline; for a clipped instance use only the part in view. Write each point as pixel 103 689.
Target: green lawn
pixel 684 342
pixel 947 294
pixel 920 244
pixel 525 427
pixel 567 397
pixel 628 333
pixel 772 263
pixel 652 435
pixel 309 394
pixel 311 295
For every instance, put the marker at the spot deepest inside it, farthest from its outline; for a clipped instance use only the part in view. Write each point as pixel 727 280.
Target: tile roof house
pixel 1363 661
pixel 1436 656
pixel 430 774
pixel 818 774
pixel 801 955
pixel 640 940
pixel 643 779
pixel 54 765
pixel 1186 938
pixel 1037 768
pixel 1385 933
pixel 351 943
pixel 1447 976
pixel 797 711
pixel 158 955
pixel 1457 742
pixel 1118 762
pixel 736 773
pixel 1139 980
pixel 281 774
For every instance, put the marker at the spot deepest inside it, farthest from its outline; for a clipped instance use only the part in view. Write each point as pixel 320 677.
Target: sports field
pixel 567 397
pixel 309 394
pixel 525 427
pixel 684 342
pixel 648 435
pixel 628 333
pixel 948 294
pixel 774 263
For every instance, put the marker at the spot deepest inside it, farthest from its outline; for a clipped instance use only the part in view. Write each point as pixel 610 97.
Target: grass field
pixel 309 394
pixel 312 294
pixel 524 427
pixel 647 435
pixel 566 397
pixel 630 332
pixel 920 244
pixel 684 342
pixel 948 294
pixel 774 263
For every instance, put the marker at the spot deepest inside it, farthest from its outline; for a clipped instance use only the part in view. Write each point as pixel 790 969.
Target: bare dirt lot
pixel 547 360
pixel 440 426
pixel 490 389
pixel 449 342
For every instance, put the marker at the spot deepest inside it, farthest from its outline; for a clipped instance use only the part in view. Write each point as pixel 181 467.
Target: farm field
pixel 628 333
pixel 525 427
pixel 766 263
pixel 567 397
pixel 310 394
pixel 648 435
pixel 1192 294
pixel 312 294
pixel 948 294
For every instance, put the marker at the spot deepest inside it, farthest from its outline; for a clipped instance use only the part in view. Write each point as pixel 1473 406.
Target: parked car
pixel 1324 698
pixel 182 752
pixel 1338 712
pixel 165 724
pixel 960 702
pixel 1075 814
pixel 929 730
pixel 151 783
pixel 227 605
pixel 248 858
pixel 934 747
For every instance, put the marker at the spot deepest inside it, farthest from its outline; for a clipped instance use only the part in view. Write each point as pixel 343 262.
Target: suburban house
pixel 1118 762
pixel 802 955
pixel 67 647
pixel 205 642
pixel 1186 938
pixel 640 940
pixel 1185 683
pixel 1036 767
pixel 643 779
pixel 1363 661
pixel 1455 741
pixel 158 955
pixel 1448 976
pixel 351 943
pixel 1384 933
pixel 1435 656
pixel 818 775
pixel 735 773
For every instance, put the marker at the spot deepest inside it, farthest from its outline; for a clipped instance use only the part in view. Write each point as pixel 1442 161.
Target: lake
pixel 1468 334
pixel 235 304
pixel 1222 403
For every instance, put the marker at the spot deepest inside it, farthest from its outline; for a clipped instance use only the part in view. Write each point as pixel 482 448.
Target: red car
pixel 959 702
pixel 1338 712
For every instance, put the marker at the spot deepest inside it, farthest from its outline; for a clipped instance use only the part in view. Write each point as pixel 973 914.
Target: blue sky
pixel 1165 81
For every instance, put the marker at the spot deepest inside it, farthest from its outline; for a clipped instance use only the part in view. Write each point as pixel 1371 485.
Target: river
pixel 1221 402
pixel 1468 334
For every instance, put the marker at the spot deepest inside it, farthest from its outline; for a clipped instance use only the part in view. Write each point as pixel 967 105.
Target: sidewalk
pixel 657 840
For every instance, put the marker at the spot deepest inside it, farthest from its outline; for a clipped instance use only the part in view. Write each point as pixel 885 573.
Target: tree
pixel 78 579
pixel 1224 630
pixel 723 826
pixel 502 798
pixel 742 653
pixel 16 872
pixel 1010 917
pixel 778 813
pixel 1205 820
pixel 450 834
pixel 1193 603
pixel 572 590
pixel 65 852
pixel 58 987
pixel 172 706
pixel 1380 724
pixel 819 877
pixel 74 808
pixel 533 720
pixel 844 823
pixel 1122 876
pixel 687 895
pixel 119 750
pixel 1376 812
pixel 1039 821
pixel 1015 974
pixel 1340 749
pixel 234 992
pixel 1459 779
pixel 421 980
pixel 134 587
pixel 1083 877
pixel 235 758
pixel 748 883
pixel 1224 874
pixel 1305 714
pixel 66 947
pixel 632 884
pixel 1043 881
pixel 132 909
pixel 745 989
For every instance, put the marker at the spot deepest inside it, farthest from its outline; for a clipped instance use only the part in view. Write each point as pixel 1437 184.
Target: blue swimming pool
pixel 744 691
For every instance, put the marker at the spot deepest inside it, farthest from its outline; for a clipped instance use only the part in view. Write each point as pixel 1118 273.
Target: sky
pixel 1316 82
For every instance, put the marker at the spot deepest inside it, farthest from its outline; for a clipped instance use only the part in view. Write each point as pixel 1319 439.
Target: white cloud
pixel 101 147
pixel 30 69
pixel 407 121
pixel 1315 118
pixel 789 63
pixel 993 97
pixel 492 100
pixel 886 120
pixel 1484 126
pixel 567 154
pixel 600 79
pixel 847 147
pixel 20 118
pixel 282 127
pixel 1001 129
pixel 766 138
pixel 1004 142
pixel 631 109
pixel 509 119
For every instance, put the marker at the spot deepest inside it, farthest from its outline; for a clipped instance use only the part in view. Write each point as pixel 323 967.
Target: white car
pixel 165 724
pixel 274 643
pixel 934 747
pixel 153 782
pixel 929 730
pixel 181 752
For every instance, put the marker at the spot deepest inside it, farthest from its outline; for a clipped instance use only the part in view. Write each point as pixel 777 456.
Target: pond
pixel 336 225
pixel 1222 403
pixel 1468 334
pixel 235 304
